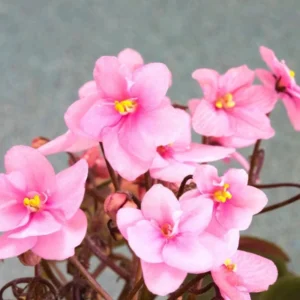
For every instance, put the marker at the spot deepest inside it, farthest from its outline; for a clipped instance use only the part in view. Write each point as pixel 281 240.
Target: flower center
pixel 34 204
pixel 125 107
pixel 292 73
pixel 166 230
pixel 225 101
pixel 222 195
pixel 164 150
pixel 229 265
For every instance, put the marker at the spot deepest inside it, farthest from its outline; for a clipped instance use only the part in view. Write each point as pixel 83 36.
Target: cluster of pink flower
pixel 126 109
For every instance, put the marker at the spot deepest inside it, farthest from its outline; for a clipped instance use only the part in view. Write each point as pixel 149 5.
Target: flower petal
pixel 293 109
pixel 204 177
pixel 207 120
pixel 88 88
pixel 110 78
pixel 60 244
pixel 236 176
pixel 162 279
pixel 70 189
pixel 269 58
pixel 192 104
pixel 147 241
pixel 266 78
pixel 131 58
pixel 208 80
pixel 159 204
pixel 10 247
pixel 150 86
pixel 40 223
pixel 36 169
pixel 185 253
pixel 127 217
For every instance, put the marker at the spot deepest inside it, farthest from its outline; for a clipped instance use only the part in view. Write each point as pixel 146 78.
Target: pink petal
pixel 221 247
pixel 88 88
pixel 233 217
pixel 151 83
pixel 236 176
pixel 147 241
pixel 197 213
pixel 77 110
pixel 67 142
pixel 99 116
pixel 269 58
pixel 250 124
pixel 13 247
pixel 256 97
pixel 70 189
pixel 257 272
pixel 12 188
pixel 185 253
pixel 40 223
pixel 204 177
pixel 13 215
pixel 208 80
pixel 36 169
pixel 248 197
pixel 60 245
pixel 174 172
pixel 236 78
pixel 126 164
pixel 127 217
pixel 162 279
pixel 207 120
pixel 109 75
pixel 203 153
pixel 234 141
pixel 192 104
pixel 293 110
pixel 131 58
pixel 159 204
pixel 159 162
pixel 266 78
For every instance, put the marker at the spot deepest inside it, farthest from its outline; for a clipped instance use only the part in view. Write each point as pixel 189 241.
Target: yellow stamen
pixel 225 102
pixel 222 195
pixel 34 204
pixel 292 73
pixel 229 265
pixel 125 107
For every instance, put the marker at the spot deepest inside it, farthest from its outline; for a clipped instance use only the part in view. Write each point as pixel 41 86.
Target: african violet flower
pixel 39 210
pixel 128 112
pixel 281 83
pixel 231 106
pixel 235 202
pixel 244 273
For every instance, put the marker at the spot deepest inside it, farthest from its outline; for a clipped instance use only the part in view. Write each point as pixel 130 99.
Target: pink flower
pixel 175 161
pixel 281 83
pixel 235 202
pixel 128 112
pixel 39 210
pixel 164 234
pixel 231 106
pixel 244 273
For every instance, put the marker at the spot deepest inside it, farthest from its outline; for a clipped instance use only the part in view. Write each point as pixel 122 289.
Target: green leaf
pixel 285 288
pixel 262 247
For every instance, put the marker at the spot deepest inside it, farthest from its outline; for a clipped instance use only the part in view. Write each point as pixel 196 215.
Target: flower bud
pixel 116 201
pixel 38 142
pixel 29 258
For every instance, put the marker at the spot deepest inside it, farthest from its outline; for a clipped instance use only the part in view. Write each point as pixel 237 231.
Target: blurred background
pixel 48 50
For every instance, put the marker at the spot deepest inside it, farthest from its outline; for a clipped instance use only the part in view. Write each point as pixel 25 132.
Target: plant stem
pixel 148 181
pixel 47 269
pixel 99 270
pixel 277 185
pixel 281 204
pixel 37 270
pixel 135 289
pixel 182 185
pixel 253 161
pixel 111 171
pixel 106 260
pixel 90 280
pixel 187 286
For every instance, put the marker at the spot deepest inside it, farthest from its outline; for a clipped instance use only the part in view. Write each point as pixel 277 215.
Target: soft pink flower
pixel 244 273
pixel 175 161
pixel 39 210
pixel 281 83
pixel 235 202
pixel 231 105
pixel 164 234
pixel 128 112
